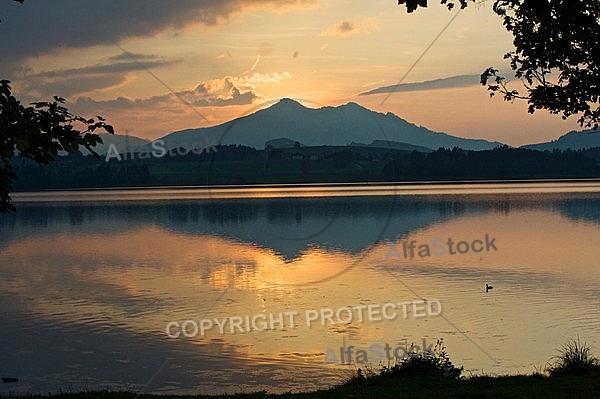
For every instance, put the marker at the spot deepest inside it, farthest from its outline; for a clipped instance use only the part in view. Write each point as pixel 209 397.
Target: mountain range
pixel 288 123
pixel 575 140
pixel 334 126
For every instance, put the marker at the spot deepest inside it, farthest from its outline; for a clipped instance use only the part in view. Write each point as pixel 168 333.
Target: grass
pixel 480 387
pixel 575 373
pixel 574 359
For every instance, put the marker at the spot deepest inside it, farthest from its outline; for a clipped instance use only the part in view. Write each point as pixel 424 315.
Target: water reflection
pixel 88 288
pixel 288 226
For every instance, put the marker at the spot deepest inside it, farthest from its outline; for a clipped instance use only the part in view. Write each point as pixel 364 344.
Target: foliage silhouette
pixel 555 55
pixel 39 132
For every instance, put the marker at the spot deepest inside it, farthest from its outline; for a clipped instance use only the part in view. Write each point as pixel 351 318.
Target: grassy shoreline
pixel 573 373
pixel 480 387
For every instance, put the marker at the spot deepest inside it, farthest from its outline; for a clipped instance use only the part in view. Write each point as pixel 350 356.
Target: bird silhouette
pixel 488 287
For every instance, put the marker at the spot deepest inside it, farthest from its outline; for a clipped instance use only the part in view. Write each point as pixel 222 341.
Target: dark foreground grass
pixel 534 386
pixel 575 373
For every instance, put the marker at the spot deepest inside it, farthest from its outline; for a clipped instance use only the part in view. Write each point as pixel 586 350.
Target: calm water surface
pixel 89 281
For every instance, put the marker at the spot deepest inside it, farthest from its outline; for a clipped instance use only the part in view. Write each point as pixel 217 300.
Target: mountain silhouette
pixel 335 126
pixel 574 140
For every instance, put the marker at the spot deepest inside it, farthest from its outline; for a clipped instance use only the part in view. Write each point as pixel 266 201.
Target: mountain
pixel 575 140
pixel 334 126
pixel 121 143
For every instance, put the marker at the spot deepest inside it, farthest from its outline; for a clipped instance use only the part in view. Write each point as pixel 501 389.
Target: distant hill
pixel 335 126
pixel 283 143
pixel 575 140
pixel 121 143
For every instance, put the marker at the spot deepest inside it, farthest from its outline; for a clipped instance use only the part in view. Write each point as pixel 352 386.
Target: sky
pixel 152 67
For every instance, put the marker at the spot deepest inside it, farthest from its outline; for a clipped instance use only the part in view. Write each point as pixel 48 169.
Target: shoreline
pixel 480 387
pixel 309 190
pixel 318 185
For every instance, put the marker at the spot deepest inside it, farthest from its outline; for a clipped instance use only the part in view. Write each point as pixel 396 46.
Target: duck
pixel 488 287
pixel 8 380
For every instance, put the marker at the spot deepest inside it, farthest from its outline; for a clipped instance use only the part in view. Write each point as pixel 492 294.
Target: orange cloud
pixel 349 27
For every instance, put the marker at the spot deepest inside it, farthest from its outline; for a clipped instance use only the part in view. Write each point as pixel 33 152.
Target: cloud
pixel 343 28
pixel 443 83
pixel 120 67
pixel 349 27
pixel 68 82
pixel 41 27
pixel 226 91
pixel 235 97
pixel 69 87
pixel 138 56
pixel 242 90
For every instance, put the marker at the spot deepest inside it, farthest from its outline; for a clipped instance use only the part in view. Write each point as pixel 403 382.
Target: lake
pixel 226 290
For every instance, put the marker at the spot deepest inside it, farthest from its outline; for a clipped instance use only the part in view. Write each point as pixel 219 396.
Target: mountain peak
pixel 352 104
pixel 294 104
pixel 288 102
pixel 285 107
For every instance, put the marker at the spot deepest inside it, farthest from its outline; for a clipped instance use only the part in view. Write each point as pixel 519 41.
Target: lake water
pixel 90 280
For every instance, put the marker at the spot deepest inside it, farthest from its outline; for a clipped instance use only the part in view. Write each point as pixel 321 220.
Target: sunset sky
pixel 124 60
